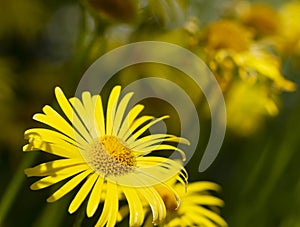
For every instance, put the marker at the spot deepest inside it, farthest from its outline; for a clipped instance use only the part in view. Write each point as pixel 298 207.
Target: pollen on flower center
pixel 110 157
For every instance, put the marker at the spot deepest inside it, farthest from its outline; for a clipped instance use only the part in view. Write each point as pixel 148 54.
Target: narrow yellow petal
pixel 159 147
pixel 89 105
pixel 136 124
pixel 106 208
pixel 150 171
pixel 157 138
pixel 112 219
pixel 58 176
pixel 138 133
pixel 203 186
pixel 83 192
pixel 86 115
pixel 209 214
pixel 185 221
pixel 206 200
pixel 111 109
pixel 64 149
pixel 50 168
pixel 53 119
pixel 136 211
pixel 199 219
pixel 39 136
pixel 95 197
pixel 70 113
pixel 99 116
pixel 130 117
pixel 156 203
pixel 120 112
pixel 69 186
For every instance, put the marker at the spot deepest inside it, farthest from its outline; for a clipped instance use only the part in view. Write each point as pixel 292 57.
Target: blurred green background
pixel 49 43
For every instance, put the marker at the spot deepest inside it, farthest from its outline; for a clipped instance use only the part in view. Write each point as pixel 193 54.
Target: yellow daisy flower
pixel 198 207
pixel 105 152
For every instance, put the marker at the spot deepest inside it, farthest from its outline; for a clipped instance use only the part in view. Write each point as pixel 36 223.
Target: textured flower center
pixel 110 157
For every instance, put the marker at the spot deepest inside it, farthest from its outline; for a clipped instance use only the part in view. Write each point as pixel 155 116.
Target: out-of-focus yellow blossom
pixel 227 34
pixel 258 64
pixel 247 105
pixel 236 53
pixel 198 207
pixel 290 27
pixel 245 67
pixel 261 18
pixel 220 49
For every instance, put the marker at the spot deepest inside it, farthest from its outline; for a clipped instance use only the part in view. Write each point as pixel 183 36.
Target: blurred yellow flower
pixel 227 34
pixel 258 64
pixel 247 71
pixel 261 18
pixel 198 207
pixel 247 105
pixel 290 27
pixel 107 151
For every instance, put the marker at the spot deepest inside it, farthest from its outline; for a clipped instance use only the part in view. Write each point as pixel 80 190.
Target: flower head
pixel 237 37
pixel 262 18
pixel 198 207
pixel 105 152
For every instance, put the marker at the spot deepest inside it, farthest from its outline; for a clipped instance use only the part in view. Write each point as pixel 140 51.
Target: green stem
pixel 14 187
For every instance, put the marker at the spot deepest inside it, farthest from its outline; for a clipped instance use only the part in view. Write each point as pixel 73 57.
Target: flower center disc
pixel 110 157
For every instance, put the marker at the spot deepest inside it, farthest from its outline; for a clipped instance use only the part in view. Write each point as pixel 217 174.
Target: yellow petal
pixel 136 211
pixel 83 192
pixel 131 116
pixel 58 176
pixel 95 197
pixel 67 151
pixel 150 171
pixel 113 191
pixel 206 200
pixel 156 138
pixel 111 109
pixel 99 116
pixel 120 112
pixel 209 214
pixel 39 136
pixel 198 218
pixel 49 168
pixel 137 123
pixel 150 149
pixel 156 203
pixel 203 186
pixel 70 113
pixel 86 116
pixel 138 133
pixel 69 186
pixel 108 202
pixel 53 119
